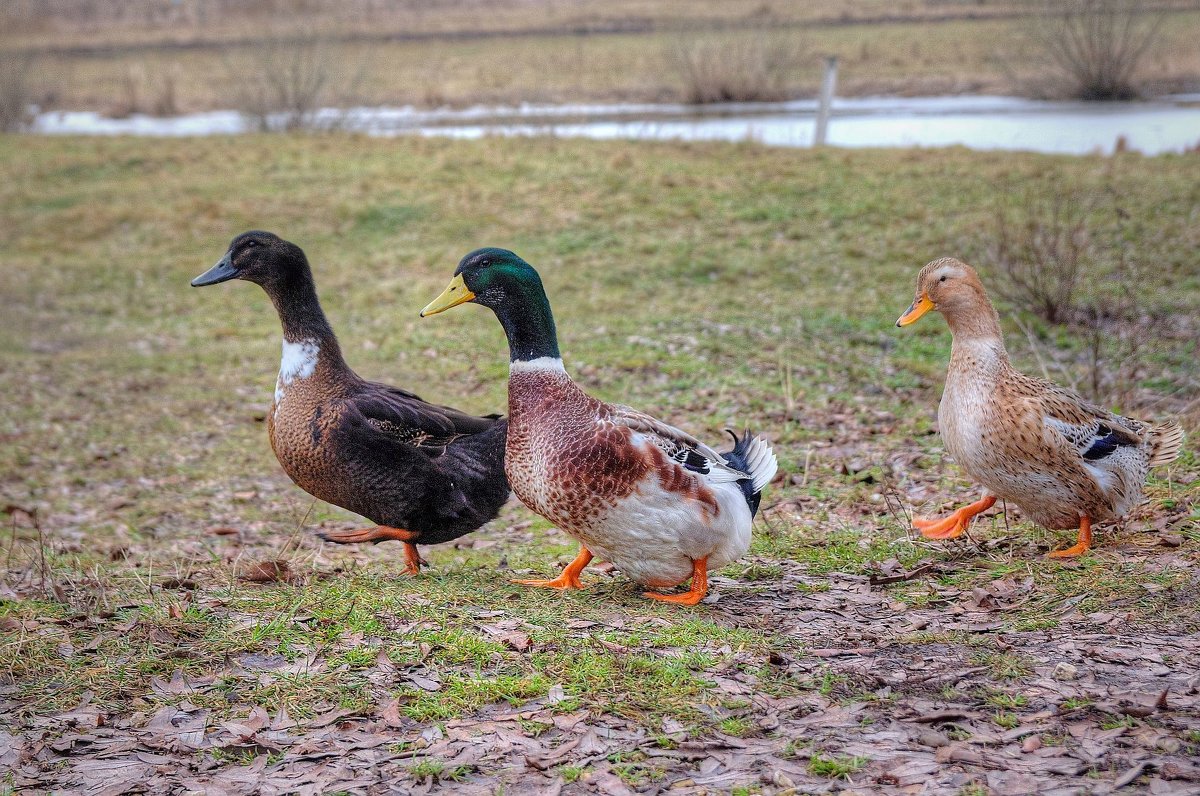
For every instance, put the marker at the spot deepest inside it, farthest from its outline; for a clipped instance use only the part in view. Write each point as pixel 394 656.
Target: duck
pixel 1068 464
pixel 423 473
pixel 651 499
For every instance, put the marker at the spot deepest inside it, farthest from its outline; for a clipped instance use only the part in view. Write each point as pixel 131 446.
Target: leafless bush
pixel 1038 247
pixel 1124 322
pixel 756 69
pixel 1095 46
pixel 1103 292
pixel 285 84
pixel 146 89
pixel 16 90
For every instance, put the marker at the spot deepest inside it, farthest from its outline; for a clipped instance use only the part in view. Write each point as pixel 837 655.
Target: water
pixel 1170 124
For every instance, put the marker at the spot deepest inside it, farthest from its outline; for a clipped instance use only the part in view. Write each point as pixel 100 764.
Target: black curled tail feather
pixel 752 455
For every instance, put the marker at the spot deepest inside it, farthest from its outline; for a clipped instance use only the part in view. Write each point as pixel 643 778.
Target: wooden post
pixel 828 85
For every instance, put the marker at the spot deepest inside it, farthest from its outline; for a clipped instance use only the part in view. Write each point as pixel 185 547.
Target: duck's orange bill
pixel 915 311
pixel 455 293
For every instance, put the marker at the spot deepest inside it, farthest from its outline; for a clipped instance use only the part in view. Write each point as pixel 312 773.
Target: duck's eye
pixel 250 244
pixel 944 278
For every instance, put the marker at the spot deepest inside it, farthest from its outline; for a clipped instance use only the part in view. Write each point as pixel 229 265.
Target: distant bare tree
pixel 756 69
pixel 1095 46
pixel 16 91
pixel 1038 246
pixel 285 84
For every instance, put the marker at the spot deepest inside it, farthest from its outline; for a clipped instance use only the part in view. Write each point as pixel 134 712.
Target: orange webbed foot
pixel 956 524
pixel 380 533
pixel 1082 544
pixel 693 595
pixel 569 579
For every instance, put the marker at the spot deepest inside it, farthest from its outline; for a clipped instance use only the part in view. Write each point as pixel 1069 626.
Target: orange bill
pixel 915 311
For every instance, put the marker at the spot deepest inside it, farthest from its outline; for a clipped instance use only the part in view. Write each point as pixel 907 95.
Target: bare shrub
pixel 146 89
pixel 1038 247
pixel 754 69
pixel 285 84
pixel 1126 322
pixel 1094 47
pixel 16 90
pixel 164 95
pixel 1091 280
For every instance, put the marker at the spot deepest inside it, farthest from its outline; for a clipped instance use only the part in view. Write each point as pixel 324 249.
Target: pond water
pixel 1170 124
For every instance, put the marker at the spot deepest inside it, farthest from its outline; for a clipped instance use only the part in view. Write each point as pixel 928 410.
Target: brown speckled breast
pixel 991 421
pixel 300 426
pixel 568 464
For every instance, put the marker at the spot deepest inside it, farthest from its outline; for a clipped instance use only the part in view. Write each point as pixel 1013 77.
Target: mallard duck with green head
pixel 423 473
pixel 652 499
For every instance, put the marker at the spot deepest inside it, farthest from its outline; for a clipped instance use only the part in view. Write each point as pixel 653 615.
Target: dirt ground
pixel 888 682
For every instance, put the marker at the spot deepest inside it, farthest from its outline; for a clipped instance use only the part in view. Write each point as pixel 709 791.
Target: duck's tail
pixel 1165 441
pixel 752 455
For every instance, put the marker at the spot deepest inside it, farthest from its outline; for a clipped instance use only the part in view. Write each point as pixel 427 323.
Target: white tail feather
pixel 761 463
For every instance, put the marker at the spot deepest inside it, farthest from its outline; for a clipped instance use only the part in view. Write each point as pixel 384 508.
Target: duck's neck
pixel 977 337
pixel 306 330
pixel 529 325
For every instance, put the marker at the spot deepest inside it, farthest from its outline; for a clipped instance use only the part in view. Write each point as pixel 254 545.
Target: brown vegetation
pixel 284 84
pixel 16 93
pixel 756 69
pixel 1094 48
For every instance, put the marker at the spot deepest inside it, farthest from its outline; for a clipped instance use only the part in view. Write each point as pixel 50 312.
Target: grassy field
pixel 555 52
pixel 712 285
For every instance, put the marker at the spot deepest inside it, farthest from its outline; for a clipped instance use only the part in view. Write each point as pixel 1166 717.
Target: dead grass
pixel 450 58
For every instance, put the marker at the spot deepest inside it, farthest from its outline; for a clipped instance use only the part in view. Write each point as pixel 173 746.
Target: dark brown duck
pixel 423 473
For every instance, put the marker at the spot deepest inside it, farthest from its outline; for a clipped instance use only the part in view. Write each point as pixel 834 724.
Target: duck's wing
pixel 680 446
pixel 1092 432
pixel 404 417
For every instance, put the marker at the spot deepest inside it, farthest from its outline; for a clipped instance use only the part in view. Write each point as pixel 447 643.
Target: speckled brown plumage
pixel 424 473
pixel 1058 457
pixel 596 464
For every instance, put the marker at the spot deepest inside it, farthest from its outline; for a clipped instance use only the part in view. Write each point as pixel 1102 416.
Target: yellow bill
pixel 915 311
pixel 455 293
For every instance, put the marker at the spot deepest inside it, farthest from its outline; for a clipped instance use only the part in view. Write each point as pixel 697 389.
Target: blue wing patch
pixel 1105 442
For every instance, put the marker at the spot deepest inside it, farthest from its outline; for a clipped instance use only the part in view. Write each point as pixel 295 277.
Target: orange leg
pixel 692 595
pixel 956 524
pixel 569 579
pixel 1082 544
pixel 412 559
pixel 381 533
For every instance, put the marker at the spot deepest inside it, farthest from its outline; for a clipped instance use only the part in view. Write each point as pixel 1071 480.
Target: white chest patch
pixel 539 365
pixel 299 361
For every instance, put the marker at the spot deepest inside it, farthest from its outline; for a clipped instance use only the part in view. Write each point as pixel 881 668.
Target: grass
pixel 836 767
pixel 685 278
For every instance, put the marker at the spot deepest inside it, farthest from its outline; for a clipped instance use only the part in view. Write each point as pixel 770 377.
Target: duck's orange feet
pixel 1082 544
pixel 380 533
pixel 412 559
pixel 569 579
pixel 955 525
pixel 693 595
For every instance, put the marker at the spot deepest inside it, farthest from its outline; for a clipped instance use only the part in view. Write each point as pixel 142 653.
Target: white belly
pixel 653 536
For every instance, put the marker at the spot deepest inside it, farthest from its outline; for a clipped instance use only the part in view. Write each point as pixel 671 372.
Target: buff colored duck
pixel 423 473
pixel 655 501
pixel 1067 463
